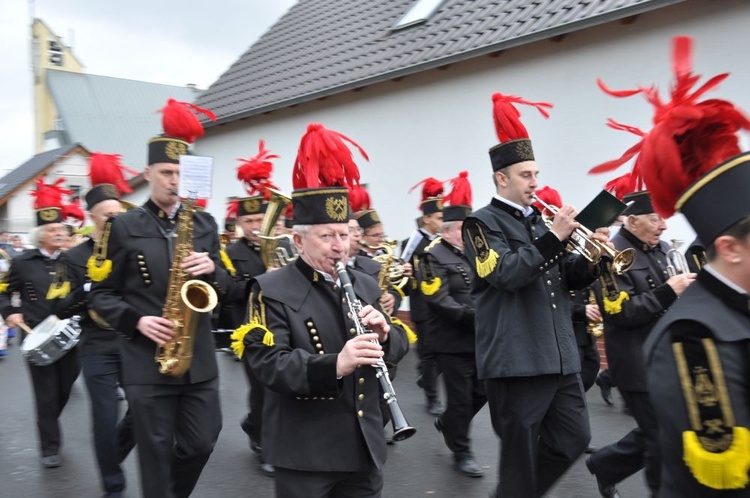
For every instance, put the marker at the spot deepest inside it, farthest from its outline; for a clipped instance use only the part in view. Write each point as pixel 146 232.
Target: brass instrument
pixel 392 268
pixel 676 262
pixel 276 250
pixel 582 242
pixel 596 329
pixel 401 428
pixel 186 301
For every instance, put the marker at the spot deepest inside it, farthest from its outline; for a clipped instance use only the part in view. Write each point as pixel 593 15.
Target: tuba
pixel 392 268
pixel 275 250
pixel 186 301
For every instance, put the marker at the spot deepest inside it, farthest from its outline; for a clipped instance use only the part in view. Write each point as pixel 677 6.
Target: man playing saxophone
pixel 322 427
pixel 177 419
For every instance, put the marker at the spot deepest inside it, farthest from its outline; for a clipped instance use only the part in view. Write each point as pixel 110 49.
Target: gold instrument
pixel 276 250
pixel 582 242
pixel 401 428
pixel 676 262
pixel 596 329
pixel 186 301
pixel 392 268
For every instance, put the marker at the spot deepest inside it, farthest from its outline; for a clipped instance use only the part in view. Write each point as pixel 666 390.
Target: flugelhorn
pixel 401 428
pixel 582 242
pixel 676 262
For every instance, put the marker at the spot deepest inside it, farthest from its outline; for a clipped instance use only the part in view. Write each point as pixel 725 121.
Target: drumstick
pixel 25 328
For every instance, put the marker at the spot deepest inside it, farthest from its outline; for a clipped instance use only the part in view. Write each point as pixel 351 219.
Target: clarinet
pixel 401 428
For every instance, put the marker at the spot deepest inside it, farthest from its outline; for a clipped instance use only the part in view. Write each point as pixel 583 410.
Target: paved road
pixel 420 466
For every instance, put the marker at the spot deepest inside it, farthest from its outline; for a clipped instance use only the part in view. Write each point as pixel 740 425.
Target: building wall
pixel 48 52
pixel 439 122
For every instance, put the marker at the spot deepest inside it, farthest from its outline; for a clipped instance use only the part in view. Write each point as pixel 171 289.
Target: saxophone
pixel 186 301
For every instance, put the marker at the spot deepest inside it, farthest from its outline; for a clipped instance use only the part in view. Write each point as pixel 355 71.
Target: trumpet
pixel 676 262
pixel 582 242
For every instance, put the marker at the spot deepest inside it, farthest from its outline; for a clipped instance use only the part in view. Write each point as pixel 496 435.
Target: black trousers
pixel 543 426
pixel 113 438
pixel 590 363
pixel 253 423
pixel 637 450
pixel 52 386
pixel 302 484
pixel 176 428
pixel 466 396
pixel 427 367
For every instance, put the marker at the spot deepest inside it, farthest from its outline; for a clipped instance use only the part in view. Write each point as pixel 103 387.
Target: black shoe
pixel 113 494
pixel 468 466
pixel 420 382
pixel 268 469
pixel 439 425
pixel 435 407
pixel 590 449
pixel 51 461
pixel 606 391
pixel 607 490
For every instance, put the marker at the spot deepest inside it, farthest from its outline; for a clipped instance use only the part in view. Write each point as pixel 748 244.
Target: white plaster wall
pixel 439 122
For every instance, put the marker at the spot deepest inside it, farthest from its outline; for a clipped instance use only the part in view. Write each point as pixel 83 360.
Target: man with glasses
pixel 646 291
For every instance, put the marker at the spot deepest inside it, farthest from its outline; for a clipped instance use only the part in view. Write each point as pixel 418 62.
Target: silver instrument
pixel 50 340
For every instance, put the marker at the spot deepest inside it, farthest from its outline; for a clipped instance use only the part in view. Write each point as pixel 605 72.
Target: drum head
pixel 42 333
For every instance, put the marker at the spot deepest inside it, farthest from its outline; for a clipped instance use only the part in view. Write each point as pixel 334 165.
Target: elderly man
pixel 39 277
pixel 172 448
pixel 322 419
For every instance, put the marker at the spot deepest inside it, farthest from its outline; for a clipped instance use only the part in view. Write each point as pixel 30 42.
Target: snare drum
pixel 50 340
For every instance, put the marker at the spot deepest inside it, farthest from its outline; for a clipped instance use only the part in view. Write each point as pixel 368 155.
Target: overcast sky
pixel 161 41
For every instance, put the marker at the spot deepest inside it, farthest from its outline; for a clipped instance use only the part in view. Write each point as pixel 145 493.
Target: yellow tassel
pixel 268 338
pixel 58 290
pixel 488 265
pixel 98 271
pixel 613 307
pixel 725 470
pixel 400 292
pixel 238 339
pixel 409 332
pixel 227 262
pixel 432 287
pixel 3 288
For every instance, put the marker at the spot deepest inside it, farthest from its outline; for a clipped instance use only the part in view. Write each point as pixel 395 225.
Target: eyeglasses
pixel 376 235
pixel 356 230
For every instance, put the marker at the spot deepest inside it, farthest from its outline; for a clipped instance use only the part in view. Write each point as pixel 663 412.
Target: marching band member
pixel 445 283
pixel 411 250
pixel 177 419
pixel 526 349
pixel 696 356
pixel 40 278
pixel 322 421
pixel 99 351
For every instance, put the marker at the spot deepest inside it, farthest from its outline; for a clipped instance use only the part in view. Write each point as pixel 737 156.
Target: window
pixel 420 12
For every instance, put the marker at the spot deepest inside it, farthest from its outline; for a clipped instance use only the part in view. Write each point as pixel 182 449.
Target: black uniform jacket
pixel 649 296
pixel 444 270
pixel 523 319
pixel 578 301
pixel 707 306
pixel 140 248
pixel 364 263
pixel 418 310
pixel 94 338
pixel 313 421
pixel 247 264
pixel 31 275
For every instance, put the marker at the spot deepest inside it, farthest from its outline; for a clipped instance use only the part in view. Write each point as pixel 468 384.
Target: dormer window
pixel 419 12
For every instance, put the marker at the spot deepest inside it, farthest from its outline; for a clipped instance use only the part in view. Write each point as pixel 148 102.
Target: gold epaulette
pixel 98 267
pixel 257 321
pixel 410 334
pixel 486 257
pixel 716 451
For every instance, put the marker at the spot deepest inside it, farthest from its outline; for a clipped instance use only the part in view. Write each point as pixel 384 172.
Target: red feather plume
pixel 179 121
pixel 233 207
pixel 507 118
pixel 548 195
pixel 51 195
pixel 325 160
pixel 359 199
pixel 74 211
pixel 689 137
pixel 431 187
pixel 106 168
pixel 460 194
pixel 255 172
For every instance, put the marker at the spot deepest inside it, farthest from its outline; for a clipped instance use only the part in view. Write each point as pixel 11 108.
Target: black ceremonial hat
pixel 456 213
pixel 251 205
pixel 367 218
pixel 317 206
pixel 638 203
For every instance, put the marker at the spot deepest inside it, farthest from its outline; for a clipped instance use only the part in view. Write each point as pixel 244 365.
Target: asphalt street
pixel 420 466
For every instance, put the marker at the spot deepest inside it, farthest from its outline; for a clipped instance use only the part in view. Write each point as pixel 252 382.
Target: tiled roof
pixel 31 168
pixel 322 47
pixel 111 115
